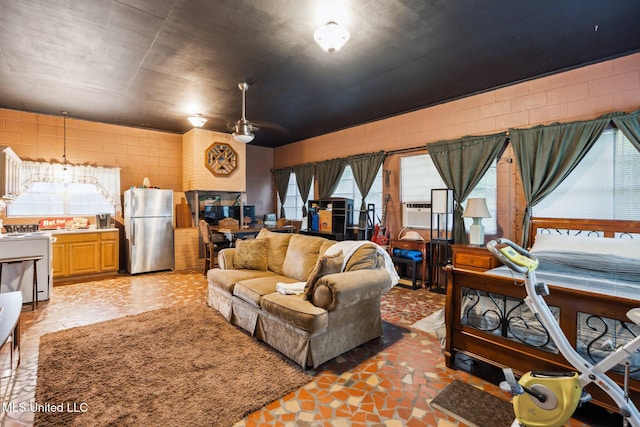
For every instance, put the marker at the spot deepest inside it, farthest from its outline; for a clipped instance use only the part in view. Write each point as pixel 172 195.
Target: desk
pixel 414 245
pixel 19 276
pixel 251 231
pixel 20 260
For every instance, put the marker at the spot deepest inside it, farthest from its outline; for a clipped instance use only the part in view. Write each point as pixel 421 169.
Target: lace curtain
pixel 106 180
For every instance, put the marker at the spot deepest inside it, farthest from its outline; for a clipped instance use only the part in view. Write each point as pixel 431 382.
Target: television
pixel 213 214
pixel 250 212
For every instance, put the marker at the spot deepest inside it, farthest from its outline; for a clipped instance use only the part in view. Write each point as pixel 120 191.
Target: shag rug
pixel 473 406
pixel 177 366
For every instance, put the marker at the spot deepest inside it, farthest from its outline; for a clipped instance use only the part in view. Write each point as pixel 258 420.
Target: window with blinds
pixel 418 175
pixel 604 185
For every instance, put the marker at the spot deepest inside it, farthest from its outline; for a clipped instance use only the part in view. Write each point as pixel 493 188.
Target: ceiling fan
pixel 243 130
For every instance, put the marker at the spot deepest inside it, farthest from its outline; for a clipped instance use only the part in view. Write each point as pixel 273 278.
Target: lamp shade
pixel 242 137
pixel 331 36
pixel 243 131
pixel 476 208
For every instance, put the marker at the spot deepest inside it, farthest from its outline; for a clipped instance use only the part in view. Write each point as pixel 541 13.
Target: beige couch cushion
pixel 226 279
pixel 302 256
pixel 251 254
pixel 277 244
pixel 296 311
pixel 252 290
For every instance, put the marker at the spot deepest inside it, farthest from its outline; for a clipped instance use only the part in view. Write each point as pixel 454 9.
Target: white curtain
pixel 106 180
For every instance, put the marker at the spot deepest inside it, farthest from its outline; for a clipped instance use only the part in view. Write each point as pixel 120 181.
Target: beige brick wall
pixel 580 94
pixel 139 153
pixel 197 176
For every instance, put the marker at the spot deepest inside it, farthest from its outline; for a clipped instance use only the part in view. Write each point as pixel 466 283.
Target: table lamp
pixel 476 209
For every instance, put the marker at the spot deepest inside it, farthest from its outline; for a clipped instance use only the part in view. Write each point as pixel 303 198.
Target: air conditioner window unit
pixel 416 214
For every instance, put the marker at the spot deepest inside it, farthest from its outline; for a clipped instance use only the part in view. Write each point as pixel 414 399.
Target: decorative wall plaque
pixel 221 159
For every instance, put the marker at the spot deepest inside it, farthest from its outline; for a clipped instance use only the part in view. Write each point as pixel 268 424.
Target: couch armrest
pixel 340 290
pixel 225 258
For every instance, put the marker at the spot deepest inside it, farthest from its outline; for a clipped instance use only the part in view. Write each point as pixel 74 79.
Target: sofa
pixel 308 297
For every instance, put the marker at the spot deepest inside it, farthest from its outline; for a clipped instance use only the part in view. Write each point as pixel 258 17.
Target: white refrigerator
pixel 148 227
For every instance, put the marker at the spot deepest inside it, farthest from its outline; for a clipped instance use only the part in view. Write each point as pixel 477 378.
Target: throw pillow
pixel 364 258
pixel 327 264
pixel 251 254
pixel 277 244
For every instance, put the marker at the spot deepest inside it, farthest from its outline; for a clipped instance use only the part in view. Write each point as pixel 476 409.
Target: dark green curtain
pixel 365 168
pixel 281 178
pixel 629 124
pixel 462 163
pixel 328 174
pixel 546 155
pixel 304 178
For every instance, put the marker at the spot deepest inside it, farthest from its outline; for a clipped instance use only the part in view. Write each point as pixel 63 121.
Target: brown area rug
pixel 473 406
pixel 177 366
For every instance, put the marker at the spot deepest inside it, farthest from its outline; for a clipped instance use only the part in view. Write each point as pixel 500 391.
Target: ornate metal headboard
pixel 586 227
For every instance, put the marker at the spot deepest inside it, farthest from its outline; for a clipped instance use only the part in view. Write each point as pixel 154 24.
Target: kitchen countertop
pixel 50 233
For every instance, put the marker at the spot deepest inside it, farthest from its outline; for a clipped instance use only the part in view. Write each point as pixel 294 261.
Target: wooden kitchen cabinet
pixel 475 258
pixel 109 245
pixel 85 253
pixel 9 173
pixel 59 259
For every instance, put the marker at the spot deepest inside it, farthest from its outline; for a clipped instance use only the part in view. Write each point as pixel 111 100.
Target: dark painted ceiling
pixel 151 63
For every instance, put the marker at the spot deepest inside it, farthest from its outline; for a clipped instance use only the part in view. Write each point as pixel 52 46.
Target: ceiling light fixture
pixel 197 120
pixel 244 128
pixel 331 36
pixel 64 137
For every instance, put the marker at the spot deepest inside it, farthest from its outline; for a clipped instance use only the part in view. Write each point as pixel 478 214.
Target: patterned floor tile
pixel 386 382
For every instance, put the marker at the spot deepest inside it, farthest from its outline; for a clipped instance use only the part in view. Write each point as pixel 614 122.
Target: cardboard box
pixel 325 221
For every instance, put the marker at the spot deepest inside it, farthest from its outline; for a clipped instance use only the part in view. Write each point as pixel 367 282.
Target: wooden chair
pixel 230 223
pixel 297 225
pixel 213 242
pixel 208 246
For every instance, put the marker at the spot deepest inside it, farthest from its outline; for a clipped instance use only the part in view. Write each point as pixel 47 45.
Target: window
pixel 604 185
pixel 487 188
pixel 418 176
pixel 293 202
pixel 60 199
pixel 347 188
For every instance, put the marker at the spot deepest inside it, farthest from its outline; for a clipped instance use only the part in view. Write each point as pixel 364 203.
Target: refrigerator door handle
pixel 133 233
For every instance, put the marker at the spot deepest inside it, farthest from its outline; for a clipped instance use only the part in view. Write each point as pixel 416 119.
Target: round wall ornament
pixel 221 159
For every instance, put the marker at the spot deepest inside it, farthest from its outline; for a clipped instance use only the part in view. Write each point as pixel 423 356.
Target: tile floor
pixel 386 382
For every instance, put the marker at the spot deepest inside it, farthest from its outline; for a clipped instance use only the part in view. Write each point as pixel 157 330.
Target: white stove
pixel 18 276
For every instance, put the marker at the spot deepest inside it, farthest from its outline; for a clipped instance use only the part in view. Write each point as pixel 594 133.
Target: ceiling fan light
pixel 197 120
pixel 331 36
pixel 243 137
